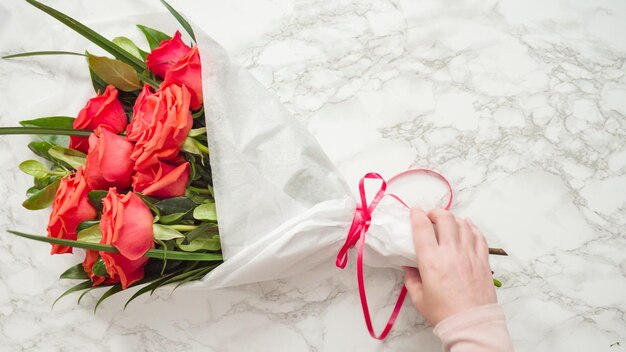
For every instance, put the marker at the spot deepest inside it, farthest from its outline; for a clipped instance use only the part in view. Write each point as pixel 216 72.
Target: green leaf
pixel 43 198
pixel 172 218
pixel 76 272
pixel 31 191
pixel 110 292
pixel 98 84
pixel 99 268
pixel 41 149
pixel 82 286
pixel 91 234
pixel 152 253
pixel 197 132
pixel 202 243
pixel 34 168
pixel 175 205
pixel 115 72
pixel 80 298
pixel 205 211
pixel 164 233
pixel 87 224
pixel 92 35
pixel 190 146
pixel 149 201
pixel 128 45
pixel 40 53
pixel 64 122
pixel 50 122
pixel 153 36
pixel 38 130
pixel 204 230
pixel 72 157
pixel 180 20
pixel 151 287
pixel 95 198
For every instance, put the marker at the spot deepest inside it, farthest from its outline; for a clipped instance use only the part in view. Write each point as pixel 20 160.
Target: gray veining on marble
pixel 521 104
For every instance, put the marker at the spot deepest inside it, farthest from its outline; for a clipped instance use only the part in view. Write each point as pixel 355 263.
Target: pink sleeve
pixel 480 329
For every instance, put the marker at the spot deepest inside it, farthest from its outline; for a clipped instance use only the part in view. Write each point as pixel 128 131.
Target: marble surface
pixel 521 104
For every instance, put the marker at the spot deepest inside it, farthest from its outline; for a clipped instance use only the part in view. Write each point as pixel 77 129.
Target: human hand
pixel 453 272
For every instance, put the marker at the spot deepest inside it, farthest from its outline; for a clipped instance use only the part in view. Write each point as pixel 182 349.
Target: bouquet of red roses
pixel 134 187
pixel 132 184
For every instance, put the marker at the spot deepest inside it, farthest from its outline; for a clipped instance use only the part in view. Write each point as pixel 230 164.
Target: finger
pixel 466 235
pixel 424 238
pixel 480 243
pixel 414 286
pixel 446 227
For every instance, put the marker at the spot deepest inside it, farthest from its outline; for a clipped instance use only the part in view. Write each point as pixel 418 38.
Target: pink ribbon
pixel 356 235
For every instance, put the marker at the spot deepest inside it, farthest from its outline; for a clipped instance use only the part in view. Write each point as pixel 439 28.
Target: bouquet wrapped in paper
pixel 183 168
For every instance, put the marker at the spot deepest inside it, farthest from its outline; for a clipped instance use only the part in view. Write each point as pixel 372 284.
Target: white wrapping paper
pixel 282 206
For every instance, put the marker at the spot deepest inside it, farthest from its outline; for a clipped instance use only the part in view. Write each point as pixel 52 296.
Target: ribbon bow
pixel 356 235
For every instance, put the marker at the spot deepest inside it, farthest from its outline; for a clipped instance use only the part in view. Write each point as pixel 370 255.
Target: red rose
pixel 187 71
pixel 162 180
pixel 103 110
pixel 160 124
pixel 108 162
pixel 126 224
pixel 70 207
pixel 163 58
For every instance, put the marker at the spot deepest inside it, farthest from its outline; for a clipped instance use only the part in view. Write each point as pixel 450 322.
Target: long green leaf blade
pixel 82 286
pixel 76 272
pixel 154 285
pixel 42 53
pixel 41 130
pixel 152 253
pixel 183 22
pixel 91 35
pixel 110 292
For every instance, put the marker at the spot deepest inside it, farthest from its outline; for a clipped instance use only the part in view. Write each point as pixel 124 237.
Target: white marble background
pixel 520 103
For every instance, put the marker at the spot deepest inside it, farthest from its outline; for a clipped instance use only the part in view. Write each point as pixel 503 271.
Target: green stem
pixel 152 253
pixel 202 147
pixel 497 251
pixel 40 53
pixel 47 131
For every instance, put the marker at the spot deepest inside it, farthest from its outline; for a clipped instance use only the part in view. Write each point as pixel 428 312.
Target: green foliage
pixel 164 233
pixel 205 211
pixel 76 272
pixel 96 197
pixel 115 72
pixel 153 36
pixel 71 157
pixel 41 53
pixel 91 234
pixel 92 35
pixel 42 198
pixel 180 20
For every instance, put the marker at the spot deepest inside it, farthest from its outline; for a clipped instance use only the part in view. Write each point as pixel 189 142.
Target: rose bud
pixel 187 71
pixel 162 180
pixel 163 58
pixel 126 224
pixel 108 161
pixel 103 110
pixel 70 207
pixel 91 258
pixel 160 124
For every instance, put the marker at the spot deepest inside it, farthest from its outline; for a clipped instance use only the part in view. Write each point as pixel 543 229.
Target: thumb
pixel 414 286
